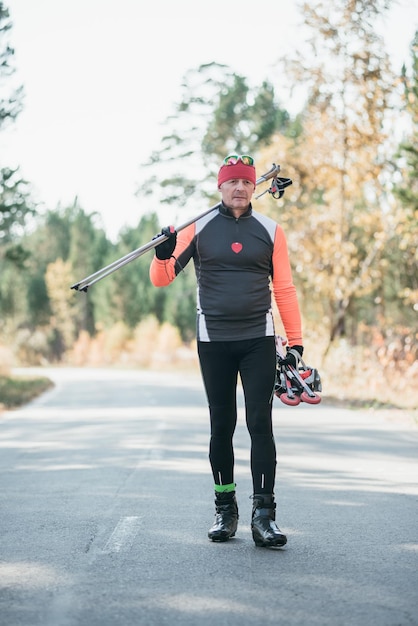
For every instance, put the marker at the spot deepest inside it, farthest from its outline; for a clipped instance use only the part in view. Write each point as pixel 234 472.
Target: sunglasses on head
pixel 232 159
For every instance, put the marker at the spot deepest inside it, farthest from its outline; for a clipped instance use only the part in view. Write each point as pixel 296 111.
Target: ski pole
pixel 87 282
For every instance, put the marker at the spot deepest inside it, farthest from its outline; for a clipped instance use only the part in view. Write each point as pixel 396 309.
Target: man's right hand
pixel 165 249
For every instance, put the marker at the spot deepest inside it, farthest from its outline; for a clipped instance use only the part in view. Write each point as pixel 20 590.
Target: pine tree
pixel 218 114
pixel 15 203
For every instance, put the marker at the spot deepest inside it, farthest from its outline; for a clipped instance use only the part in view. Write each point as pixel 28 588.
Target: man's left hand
pixel 293 356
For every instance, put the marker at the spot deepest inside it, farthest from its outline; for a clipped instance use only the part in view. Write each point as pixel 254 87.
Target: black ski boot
pixel 226 517
pixel 264 529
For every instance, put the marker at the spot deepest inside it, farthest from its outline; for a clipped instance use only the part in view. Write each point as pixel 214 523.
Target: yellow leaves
pixel 410 296
pixel 58 277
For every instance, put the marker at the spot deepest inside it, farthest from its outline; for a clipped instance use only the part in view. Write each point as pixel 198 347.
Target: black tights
pixel 255 361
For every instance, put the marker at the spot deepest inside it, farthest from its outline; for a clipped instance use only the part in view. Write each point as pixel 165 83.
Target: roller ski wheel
pixel 288 400
pixel 305 397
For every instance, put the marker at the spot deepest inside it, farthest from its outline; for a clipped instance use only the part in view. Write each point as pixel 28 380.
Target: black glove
pixel 293 356
pixel 165 249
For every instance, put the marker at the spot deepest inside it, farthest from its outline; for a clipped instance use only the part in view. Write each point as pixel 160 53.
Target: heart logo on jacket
pixel 236 247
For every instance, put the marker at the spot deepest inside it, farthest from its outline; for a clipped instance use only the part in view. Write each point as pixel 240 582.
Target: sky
pixel 100 77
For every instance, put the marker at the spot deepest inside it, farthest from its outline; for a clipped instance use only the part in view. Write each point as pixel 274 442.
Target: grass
pixel 17 391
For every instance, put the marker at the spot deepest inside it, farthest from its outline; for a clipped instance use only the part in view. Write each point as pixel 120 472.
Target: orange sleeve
pixel 162 273
pixel 284 290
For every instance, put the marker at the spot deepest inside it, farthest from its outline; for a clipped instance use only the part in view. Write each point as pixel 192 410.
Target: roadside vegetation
pixel 16 391
pixel 351 378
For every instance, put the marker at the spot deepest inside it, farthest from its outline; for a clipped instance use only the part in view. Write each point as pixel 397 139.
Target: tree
pixel 403 258
pixel 218 113
pixel 15 203
pixel 337 221
pixel 63 308
pixel 15 208
pixel 87 251
pixel 127 294
pixel 66 245
pixel 242 120
pixel 11 103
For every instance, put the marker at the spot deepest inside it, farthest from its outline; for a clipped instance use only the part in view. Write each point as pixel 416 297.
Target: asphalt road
pixel 106 499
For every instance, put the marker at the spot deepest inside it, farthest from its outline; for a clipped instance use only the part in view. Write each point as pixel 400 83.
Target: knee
pixel 223 420
pixel 259 420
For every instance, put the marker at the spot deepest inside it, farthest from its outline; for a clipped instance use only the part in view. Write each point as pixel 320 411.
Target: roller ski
pixel 295 384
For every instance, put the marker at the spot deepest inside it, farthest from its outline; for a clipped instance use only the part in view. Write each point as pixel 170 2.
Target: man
pixel 237 254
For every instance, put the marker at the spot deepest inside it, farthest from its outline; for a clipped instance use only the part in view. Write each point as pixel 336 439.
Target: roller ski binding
pixel 296 384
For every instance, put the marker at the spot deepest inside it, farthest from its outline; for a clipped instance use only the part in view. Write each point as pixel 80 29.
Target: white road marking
pixel 123 536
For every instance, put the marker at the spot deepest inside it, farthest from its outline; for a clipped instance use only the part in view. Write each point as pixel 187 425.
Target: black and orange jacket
pixel 238 262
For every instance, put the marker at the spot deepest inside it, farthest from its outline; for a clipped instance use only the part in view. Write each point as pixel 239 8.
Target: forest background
pixel 350 217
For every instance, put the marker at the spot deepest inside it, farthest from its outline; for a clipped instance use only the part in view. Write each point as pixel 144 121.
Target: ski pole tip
pixel 78 288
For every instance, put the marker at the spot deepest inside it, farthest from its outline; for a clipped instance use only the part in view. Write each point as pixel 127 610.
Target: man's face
pixel 237 193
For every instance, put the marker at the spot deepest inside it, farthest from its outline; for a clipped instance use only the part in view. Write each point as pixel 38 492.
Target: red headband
pixel 239 170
